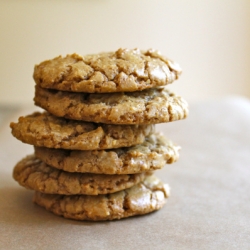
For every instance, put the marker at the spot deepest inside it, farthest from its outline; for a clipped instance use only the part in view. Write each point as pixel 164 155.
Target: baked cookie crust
pixel 142 107
pixel 148 196
pixel 46 130
pixel 151 155
pixel 124 70
pixel 32 173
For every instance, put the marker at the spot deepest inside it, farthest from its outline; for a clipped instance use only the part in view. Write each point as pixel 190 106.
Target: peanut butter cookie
pixel 34 174
pixel 46 130
pixel 152 154
pixel 119 71
pixel 142 107
pixel 143 198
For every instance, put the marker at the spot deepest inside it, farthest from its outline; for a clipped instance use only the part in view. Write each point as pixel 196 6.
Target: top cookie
pixel 121 71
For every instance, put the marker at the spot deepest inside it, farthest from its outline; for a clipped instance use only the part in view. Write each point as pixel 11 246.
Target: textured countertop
pixel 209 207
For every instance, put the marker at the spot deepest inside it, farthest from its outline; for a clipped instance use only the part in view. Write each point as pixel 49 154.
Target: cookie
pixel 143 198
pixel 46 130
pixel 152 154
pixel 142 107
pixel 121 71
pixel 32 173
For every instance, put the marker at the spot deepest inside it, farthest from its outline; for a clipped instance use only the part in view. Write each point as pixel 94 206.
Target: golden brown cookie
pixel 142 198
pixel 141 107
pixel 121 71
pixel 152 154
pixel 34 174
pixel 46 130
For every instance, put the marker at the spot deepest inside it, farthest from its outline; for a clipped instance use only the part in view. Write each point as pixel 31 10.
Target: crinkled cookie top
pixel 46 130
pixel 150 106
pixel 124 70
pixel 152 154
pixel 35 174
pixel 147 196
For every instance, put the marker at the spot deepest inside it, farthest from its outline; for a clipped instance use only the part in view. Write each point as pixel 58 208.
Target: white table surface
pixel 209 207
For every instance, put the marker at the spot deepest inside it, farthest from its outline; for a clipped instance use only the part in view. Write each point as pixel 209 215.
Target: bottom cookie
pixel 148 196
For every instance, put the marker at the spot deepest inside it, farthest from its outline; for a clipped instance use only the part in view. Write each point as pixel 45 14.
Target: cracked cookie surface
pixel 46 130
pixel 148 196
pixel 152 154
pixel 124 70
pixel 32 173
pixel 142 107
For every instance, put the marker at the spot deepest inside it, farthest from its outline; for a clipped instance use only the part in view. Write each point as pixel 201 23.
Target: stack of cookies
pixel 95 145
